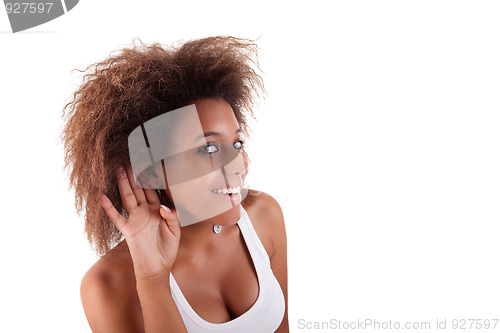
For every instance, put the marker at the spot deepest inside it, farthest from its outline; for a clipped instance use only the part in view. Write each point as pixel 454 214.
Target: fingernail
pixel 166 208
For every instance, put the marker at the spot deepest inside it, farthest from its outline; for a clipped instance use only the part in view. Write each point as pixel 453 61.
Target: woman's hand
pixel 151 231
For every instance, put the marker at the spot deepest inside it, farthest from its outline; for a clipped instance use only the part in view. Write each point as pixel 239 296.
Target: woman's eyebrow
pixel 206 134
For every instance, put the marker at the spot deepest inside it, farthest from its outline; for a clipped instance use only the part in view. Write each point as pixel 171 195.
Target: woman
pixel 228 271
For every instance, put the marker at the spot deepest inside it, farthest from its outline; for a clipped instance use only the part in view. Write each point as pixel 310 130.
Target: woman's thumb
pixel 172 219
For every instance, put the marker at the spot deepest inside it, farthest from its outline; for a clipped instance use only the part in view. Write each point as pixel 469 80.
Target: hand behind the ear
pixel 152 231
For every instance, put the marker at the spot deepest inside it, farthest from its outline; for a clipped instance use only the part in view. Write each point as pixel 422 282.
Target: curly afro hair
pixel 137 84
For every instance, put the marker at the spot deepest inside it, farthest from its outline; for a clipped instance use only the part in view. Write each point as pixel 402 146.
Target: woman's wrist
pixel 148 278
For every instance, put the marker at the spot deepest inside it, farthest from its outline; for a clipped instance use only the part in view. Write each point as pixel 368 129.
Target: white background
pixel 379 138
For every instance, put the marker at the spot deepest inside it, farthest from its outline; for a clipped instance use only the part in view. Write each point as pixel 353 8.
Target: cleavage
pixel 221 284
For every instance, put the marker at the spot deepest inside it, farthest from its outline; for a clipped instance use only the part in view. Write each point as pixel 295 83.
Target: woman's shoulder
pixel 264 205
pixel 108 292
pixel 113 265
pixel 256 197
pixel 267 218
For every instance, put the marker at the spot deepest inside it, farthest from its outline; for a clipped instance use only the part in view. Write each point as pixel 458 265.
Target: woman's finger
pixel 151 196
pixel 138 191
pixel 170 216
pixel 115 217
pixel 128 197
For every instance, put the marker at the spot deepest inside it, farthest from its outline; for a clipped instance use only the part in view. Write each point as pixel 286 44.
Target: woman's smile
pixel 230 190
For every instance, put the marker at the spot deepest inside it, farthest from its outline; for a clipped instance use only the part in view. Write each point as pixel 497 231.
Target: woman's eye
pixel 209 148
pixel 238 144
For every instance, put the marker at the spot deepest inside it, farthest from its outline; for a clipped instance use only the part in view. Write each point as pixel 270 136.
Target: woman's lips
pixel 236 196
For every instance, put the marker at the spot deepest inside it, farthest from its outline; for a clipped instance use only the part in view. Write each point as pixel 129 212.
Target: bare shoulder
pixel 263 202
pixel 267 218
pixel 109 295
pixel 268 221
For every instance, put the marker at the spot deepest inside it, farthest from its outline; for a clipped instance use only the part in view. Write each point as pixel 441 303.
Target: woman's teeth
pixel 231 190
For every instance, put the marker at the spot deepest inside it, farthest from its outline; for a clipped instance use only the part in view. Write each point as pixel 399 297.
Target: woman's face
pixel 203 160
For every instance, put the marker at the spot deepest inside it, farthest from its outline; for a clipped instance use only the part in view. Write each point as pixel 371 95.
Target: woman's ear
pixel 152 178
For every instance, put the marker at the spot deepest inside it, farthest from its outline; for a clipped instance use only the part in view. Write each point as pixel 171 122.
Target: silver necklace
pixel 217 228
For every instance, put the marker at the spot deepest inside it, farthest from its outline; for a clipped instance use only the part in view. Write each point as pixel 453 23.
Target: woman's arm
pixel 152 235
pixel 158 307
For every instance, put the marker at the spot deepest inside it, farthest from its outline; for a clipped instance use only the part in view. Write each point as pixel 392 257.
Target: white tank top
pixel 266 313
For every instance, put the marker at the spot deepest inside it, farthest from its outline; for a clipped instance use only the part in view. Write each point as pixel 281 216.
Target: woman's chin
pixel 229 217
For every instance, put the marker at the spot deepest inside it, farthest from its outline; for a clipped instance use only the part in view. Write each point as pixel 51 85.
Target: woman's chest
pixel 222 287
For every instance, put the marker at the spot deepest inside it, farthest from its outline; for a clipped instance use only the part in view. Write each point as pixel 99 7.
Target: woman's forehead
pixel 216 115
